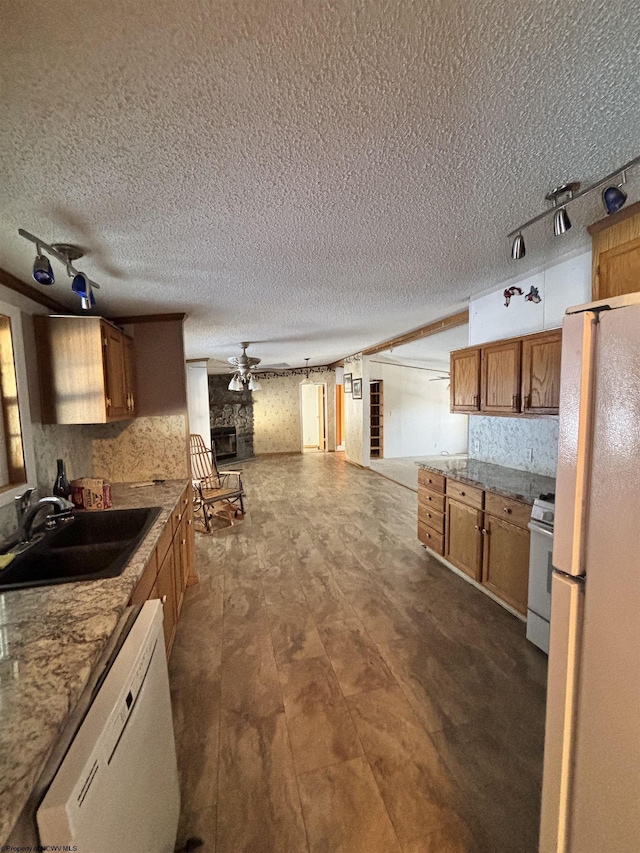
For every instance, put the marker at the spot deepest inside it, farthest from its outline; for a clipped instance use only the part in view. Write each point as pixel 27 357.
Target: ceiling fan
pixel 244 369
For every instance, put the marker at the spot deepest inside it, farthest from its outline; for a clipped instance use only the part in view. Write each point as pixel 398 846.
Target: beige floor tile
pixel 423 800
pixel 259 804
pixel 355 659
pixel 344 812
pixel 319 722
pixel 293 632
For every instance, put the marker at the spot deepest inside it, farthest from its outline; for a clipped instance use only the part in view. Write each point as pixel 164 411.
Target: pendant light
pixel 307 380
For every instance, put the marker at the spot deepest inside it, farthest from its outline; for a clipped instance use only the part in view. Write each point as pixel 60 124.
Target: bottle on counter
pixel 61 486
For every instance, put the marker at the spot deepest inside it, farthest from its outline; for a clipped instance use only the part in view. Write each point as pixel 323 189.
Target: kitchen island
pixel 51 638
pixel 473 516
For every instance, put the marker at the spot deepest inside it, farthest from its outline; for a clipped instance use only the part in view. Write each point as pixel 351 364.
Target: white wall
pixel 560 286
pixel 417 420
pixel 356 422
pixel 198 399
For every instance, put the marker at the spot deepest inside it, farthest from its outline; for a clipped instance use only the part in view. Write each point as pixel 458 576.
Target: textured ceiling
pixel 310 176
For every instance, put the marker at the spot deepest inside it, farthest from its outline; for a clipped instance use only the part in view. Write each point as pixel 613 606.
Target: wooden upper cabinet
pixel 616 253
pixel 130 376
pixel 82 366
pixel 501 377
pixel 113 342
pixel 541 373
pixel 465 380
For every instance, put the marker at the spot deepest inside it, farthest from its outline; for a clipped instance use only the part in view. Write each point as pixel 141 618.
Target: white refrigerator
pixel 591 780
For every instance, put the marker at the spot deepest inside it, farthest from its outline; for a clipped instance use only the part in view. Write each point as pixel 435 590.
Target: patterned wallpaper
pixel 354 414
pixel 504 441
pixel 277 426
pixel 143 449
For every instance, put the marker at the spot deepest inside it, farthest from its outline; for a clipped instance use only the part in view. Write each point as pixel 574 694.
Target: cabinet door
pixel 465 380
pixel 505 562
pixel 113 343
pixel 165 585
pixel 464 538
pixel 541 373
pixel 618 270
pixel 501 377
pixel 130 376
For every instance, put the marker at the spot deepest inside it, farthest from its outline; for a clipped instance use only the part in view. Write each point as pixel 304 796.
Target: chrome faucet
pixel 22 503
pixel 61 507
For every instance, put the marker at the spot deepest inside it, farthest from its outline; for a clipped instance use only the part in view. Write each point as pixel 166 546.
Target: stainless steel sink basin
pixel 91 546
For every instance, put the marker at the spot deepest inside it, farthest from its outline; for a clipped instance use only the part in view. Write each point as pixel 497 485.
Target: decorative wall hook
pixel 533 295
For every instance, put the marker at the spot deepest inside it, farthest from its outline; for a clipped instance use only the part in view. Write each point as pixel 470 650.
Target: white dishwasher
pixel 117 787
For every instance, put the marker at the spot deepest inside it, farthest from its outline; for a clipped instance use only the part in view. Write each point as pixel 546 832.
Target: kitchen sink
pixel 90 546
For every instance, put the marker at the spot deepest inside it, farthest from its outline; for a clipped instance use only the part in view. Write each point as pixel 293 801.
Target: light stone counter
pixel 510 482
pixel 51 638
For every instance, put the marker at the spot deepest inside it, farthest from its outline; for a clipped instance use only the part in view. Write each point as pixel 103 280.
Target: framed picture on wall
pixel 347 383
pixel 357 389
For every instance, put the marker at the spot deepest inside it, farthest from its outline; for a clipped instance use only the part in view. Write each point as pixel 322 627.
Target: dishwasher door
pixel 117 787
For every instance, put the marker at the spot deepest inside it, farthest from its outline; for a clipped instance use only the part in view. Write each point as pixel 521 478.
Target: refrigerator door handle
pixel 574 441
pixel 567 610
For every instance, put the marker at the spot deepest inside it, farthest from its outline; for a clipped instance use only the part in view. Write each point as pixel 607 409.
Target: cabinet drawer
pixel 429 537
pixel 507 509
pixel 470 495
pixel 431 518
pixel 429 499
pixel 434 482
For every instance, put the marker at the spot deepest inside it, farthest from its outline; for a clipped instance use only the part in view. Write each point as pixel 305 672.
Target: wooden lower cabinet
pixel 505 562
pixel 464 538
pixel 166 589
pixel 170 567
pixel 482 533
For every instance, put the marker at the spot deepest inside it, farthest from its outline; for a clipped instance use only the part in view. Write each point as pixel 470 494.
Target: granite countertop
pixel 510 482
pixel 51 638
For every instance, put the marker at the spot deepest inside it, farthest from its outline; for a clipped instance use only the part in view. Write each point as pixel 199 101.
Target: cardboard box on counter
pixel 91 493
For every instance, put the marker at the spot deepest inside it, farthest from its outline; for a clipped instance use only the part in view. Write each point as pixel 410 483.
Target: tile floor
pixel 336 689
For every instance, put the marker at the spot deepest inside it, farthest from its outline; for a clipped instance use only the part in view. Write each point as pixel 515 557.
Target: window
pixel 16 447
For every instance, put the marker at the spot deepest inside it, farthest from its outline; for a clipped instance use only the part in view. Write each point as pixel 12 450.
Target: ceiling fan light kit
pixel 66 253
pixel 613 199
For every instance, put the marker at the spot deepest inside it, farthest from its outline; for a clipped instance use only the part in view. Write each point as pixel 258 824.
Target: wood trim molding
pixel 18 286
pixel 148 318
pixel 450 322
pixel 614 219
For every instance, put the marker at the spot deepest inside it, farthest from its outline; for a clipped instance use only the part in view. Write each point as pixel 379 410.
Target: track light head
pixel 613 197
pixel 518 249
pixel 42 272
pixel 561 222
pixel 81 286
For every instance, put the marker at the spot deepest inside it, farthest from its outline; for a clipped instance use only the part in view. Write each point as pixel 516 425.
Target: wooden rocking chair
pixel 210 486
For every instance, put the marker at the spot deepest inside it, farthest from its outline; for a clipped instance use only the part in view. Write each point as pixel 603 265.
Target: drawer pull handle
pixel 514 402
pixel 164 599
pixel 461 494
pixel 508 510
pixel 477 526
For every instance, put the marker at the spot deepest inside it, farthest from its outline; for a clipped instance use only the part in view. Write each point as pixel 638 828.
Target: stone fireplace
pixel 227 410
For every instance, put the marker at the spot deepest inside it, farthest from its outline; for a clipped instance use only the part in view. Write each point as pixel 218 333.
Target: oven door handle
pixel 537 528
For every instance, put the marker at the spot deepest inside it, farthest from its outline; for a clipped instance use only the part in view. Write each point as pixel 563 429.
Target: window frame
pixel 11 491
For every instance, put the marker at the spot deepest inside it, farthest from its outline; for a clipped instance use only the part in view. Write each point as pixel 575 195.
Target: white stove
pixel 540 571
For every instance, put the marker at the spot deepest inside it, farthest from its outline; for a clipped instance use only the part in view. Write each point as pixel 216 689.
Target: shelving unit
pixel 376 419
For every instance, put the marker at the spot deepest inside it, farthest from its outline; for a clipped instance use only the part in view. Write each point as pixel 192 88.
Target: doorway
pixel 314 433
pixel 340 430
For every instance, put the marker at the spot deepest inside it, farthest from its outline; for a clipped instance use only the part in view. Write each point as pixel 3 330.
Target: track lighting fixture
pixel 518 249
pixel 42 272
pixel 613 199
pixel 66 253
